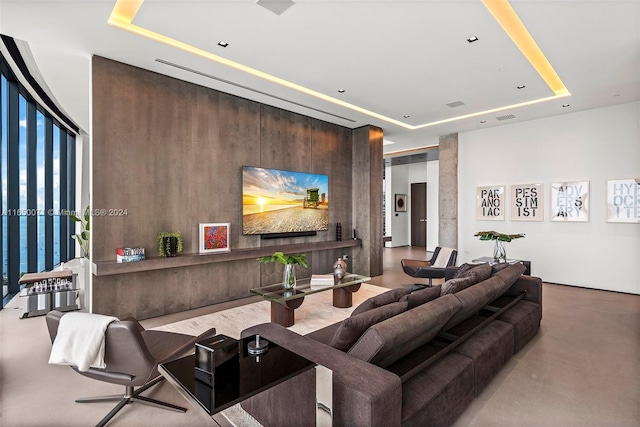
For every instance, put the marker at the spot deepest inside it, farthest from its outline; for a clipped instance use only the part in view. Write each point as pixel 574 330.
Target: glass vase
pixel 499 252
pixel 289 277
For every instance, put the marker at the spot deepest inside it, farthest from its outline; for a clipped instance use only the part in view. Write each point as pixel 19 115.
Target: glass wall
pixel 36 182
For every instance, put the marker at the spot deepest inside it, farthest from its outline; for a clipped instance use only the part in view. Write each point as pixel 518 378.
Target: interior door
pixel 419 214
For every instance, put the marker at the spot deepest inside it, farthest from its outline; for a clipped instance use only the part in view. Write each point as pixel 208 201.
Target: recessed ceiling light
pixel 387 142
pixel 406 116
pixel 341 90
pixel 565 105
pixel 520 87
pixel 472 39
pixel 223 44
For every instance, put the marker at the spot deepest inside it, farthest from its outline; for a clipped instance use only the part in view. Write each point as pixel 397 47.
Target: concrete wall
pixel 594 145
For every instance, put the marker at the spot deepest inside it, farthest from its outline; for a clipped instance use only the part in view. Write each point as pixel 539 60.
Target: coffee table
pixel 284 302
pixel 244 376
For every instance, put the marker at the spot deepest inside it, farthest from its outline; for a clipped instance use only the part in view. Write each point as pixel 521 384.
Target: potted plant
pixel 83 237
pixel 499 252
pixel 289 261
pixel 169 243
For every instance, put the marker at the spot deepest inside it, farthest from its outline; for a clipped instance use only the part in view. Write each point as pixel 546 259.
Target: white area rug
pixel 316 312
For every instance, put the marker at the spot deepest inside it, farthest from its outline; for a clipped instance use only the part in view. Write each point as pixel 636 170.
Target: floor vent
pixel 506 117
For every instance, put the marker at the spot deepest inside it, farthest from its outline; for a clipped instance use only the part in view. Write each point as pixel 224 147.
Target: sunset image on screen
pixel 278 201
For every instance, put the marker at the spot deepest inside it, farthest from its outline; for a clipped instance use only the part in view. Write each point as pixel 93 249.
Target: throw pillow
pixel 482 272
pixel 463 269
pixel 498 267
pixel 455 285
pixel 381 299
pixel 421 296
pixel 353 327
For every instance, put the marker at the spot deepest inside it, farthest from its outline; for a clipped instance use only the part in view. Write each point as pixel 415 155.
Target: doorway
pixel 419 214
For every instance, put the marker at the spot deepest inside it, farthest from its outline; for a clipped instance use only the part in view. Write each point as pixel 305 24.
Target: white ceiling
pixel 395 58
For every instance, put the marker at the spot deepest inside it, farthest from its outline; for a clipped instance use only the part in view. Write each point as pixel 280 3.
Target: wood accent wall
pixel 171 154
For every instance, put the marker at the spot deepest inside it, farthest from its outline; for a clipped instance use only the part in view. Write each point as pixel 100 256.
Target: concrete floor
pixel 582 369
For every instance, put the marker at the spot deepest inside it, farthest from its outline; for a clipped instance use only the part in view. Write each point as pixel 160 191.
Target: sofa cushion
pixel 390 340
pixel 381 299
pixel 463 269
pixel 474 297
pixel 511 273
pixel 421 296
pixel 499 267
pixel 353 327
pixel 525 317
pixel 438 395
pixel 456 285
pixel 480 273
pixel 489 348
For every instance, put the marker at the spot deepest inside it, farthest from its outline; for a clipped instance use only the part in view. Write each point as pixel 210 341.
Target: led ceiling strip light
pixel 125 11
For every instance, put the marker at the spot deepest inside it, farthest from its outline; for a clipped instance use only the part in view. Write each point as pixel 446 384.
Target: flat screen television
pixel 278 203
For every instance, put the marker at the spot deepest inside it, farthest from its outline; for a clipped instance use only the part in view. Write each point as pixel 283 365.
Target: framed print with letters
pixel 490 203
pixel 570 201
pixel 527 202
pixel 623 200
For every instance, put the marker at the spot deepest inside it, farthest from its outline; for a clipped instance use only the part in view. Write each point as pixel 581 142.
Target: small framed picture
pixel 214 237
pixel 401 202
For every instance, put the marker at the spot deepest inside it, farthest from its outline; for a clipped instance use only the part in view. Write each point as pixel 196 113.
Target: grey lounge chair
pixel 132 356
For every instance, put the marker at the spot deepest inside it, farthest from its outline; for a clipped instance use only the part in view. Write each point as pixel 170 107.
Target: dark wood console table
pixel 108 268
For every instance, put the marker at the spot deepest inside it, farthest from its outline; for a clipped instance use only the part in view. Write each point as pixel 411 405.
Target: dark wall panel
pixel 171 154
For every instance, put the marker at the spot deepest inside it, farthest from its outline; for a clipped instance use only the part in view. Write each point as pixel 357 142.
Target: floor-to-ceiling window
pixel 37 157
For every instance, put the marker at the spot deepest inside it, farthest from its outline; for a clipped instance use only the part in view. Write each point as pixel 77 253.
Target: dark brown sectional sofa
pixel 411 358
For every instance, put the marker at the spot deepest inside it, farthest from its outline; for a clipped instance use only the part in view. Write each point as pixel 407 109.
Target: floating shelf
pixel 108 268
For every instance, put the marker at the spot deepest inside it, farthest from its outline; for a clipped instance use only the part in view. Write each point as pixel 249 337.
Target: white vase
pixel 289 277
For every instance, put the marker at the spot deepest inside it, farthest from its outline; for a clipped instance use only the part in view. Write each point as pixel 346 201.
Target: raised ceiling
pixel 392 58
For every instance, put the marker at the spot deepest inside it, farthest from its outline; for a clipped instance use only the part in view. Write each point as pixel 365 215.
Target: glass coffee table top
pixel 276 293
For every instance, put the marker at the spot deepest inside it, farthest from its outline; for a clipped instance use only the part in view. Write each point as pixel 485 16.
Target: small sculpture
pixel 339 269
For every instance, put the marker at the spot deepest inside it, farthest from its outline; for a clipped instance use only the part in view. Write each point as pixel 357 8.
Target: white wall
pixel 399 179
pixel 594 145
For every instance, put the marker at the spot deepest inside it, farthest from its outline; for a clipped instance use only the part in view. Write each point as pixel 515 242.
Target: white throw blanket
pixel 80 340
pixel 443 257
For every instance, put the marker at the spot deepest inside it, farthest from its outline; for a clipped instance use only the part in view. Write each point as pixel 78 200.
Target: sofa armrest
pixel 363 394
pixel 532 285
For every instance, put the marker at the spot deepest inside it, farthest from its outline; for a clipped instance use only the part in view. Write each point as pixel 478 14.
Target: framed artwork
pixel 490 203
pixel 401 202
pixel 570 201
pixel 623 200
pixel 527 202
pixel 214 237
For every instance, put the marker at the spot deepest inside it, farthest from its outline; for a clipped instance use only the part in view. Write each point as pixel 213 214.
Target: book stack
pixel 129 254
pixel 320 281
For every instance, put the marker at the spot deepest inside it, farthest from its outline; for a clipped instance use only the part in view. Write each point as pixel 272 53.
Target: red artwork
pixel 215 237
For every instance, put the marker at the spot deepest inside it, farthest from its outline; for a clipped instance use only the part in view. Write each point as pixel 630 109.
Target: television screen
pixel 278 201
